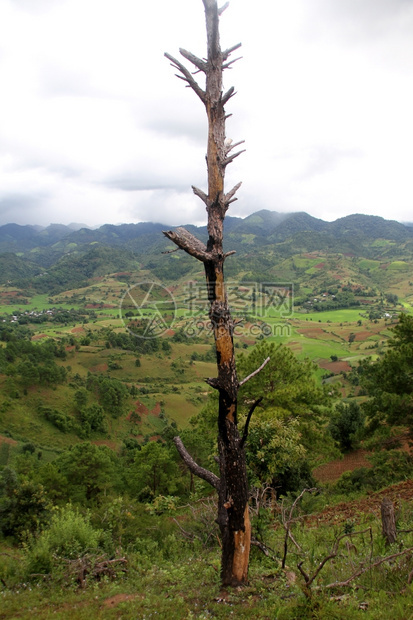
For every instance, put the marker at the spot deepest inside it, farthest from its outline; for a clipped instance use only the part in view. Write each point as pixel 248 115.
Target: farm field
pixel 168 384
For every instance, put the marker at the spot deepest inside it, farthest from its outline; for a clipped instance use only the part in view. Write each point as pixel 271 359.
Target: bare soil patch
pixel 141 408
pixel 330 472
pixel 156 410
pixel 99 368
pixel 120 598
pixel 336 367
pixel 403 491
pixel 39 336
pixel 98 305
pixel 318 333
pixel 11 442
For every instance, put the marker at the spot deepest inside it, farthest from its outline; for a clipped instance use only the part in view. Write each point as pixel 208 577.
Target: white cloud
pixel 97 128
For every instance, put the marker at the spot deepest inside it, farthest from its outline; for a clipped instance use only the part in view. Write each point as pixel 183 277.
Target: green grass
pixel 180 580
pixel 398 265
pixel 369 264
pixel 344 315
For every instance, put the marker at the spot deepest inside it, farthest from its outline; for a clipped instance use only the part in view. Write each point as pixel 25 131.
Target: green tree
pixel 154 471
pixel 389 381
pixel 81 398
pixel 289 388
pixel 347 425
pixel 24 505
pixel 93 419
pixel 89 471
pixel 275 454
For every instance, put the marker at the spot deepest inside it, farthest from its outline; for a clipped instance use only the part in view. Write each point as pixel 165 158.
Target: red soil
pixel 99 368
pixel 11 442
pixel 336 367
pixel 403 491
pixel 332 471
pixel 98 306
pixel 156 410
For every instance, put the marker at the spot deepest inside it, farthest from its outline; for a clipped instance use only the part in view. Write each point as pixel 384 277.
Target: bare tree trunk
pixel 388 521
pixel 233 516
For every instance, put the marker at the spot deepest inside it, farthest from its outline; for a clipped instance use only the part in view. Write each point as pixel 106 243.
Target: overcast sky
pixel 95 128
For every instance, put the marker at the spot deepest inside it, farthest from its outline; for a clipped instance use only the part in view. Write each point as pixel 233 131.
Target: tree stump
pixel 388 521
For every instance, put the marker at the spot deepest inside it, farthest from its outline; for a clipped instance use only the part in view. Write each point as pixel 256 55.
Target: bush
pixel 69 536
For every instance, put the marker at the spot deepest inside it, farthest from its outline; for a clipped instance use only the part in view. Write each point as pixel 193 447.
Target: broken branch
pixel 200 64
pixel 229 51
pixel 222 8
pixel 188 242
pixel 198 192
pixel 196 469
pixel 230 93
pixel 187 77
pixel 265 362
pixel 228 160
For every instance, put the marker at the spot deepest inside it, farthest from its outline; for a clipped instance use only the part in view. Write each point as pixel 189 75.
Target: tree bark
pixel 233 516
pixel 388 521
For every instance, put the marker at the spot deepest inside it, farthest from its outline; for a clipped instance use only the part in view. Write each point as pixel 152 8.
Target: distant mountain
pixel 284 233
pixel 369 226
pixel 297 223
pixel 260 223
pixel 14 268
pixel 71 271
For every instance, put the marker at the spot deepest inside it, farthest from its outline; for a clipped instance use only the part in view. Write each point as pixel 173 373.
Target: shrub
pixel 69 536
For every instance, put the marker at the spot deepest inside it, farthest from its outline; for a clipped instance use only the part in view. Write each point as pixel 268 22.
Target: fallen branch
pixel 266 550
pixel 364 569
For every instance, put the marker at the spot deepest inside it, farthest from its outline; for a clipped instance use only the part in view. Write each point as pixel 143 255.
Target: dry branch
pixel 188 242
pixel 265 362
pixel 196 469
pixel 287 523
pixel 230 159
pixel 198 192
pixel 247 423
pixel 200 64
pixel 228 52
pixel 364 569
pixel 222 8
pixel 187 77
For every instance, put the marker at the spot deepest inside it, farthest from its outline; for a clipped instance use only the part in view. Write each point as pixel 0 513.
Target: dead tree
pixel 233 517
pixel 388 521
